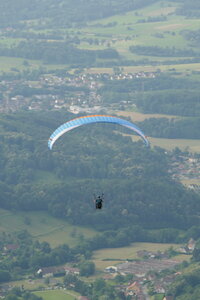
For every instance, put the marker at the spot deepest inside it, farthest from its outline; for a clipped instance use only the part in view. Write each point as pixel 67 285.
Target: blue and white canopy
pixel 93 119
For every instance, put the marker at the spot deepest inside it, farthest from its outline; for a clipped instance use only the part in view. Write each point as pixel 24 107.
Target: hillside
pixel 138 60
pixel 100 34
pixel 89 160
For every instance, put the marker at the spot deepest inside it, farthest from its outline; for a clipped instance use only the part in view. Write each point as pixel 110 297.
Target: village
pixel 152 273
pixel 186 169
pixel 77 93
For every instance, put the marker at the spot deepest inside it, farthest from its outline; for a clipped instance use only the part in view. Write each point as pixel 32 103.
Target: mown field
pixel 43 227
pixel 190 145
pixel 113 256
pixel 56 295
pixel 186 69
pixel 139 117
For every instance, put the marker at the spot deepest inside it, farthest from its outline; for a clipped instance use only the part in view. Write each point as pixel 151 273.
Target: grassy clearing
pixel 169 144
pixel 190 181
pixel 30 285
pixel 139 117
pixel 8 63
pixel 191 145
pixel 164 11
pixel 56 294
pixel 183 68
pixel 43 227
pixel 14 64
pixel 183 257
pixel 112 256
pixel 8 42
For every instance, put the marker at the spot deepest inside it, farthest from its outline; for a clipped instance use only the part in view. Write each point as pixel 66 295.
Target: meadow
pixel 43 227
pixel 186 69
pixel 191 145
pixel 56 294
pixel 113 256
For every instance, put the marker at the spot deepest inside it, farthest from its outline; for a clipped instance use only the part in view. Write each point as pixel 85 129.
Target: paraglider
pixel 93 119
pixel 89 120
pixel 98 201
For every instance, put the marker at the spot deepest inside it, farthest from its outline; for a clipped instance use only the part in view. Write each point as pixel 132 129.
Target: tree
pixel 4 276
pixel 87 268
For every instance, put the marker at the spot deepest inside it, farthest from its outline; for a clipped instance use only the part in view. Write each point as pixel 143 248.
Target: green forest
pixel 93 159
pixel 64 13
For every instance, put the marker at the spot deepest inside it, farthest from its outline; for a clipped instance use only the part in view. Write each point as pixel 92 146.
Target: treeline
pixel 163 52
pixel 61 90
pixel 153 19
pixel 57 53
pixel 93 159
pixel 159 82
pixel 187 128
pixel 181 102
pixel 28 256
pixel 193 36
pixel 189 9
pixel 186 286
pixel 99 288
pixel 63 13
pixel 162 94
pixel 19 294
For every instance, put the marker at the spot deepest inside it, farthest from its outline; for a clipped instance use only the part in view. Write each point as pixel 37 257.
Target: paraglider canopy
pixel 93 119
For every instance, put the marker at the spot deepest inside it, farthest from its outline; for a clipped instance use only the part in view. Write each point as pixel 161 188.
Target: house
pixel 10 247
pixel 74 271
pixel 159 288
pixel 191 245
pixel 111 269
pixel 133 289
pixel 183 250
pixel 51 271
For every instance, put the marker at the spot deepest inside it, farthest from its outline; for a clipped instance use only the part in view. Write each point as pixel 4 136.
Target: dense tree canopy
pixel 63 13
pixel 57 53
pixel 93 159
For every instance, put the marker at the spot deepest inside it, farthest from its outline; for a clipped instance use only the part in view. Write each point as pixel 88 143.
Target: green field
pixel 14 64
pixel 191 145
pixel 169 144
pixel 43 227
pixel 186 69
pixel 131 28
pixel 9 64
pixel 141 33
pixel 139 117
pixel 57 295
pixel 112 256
